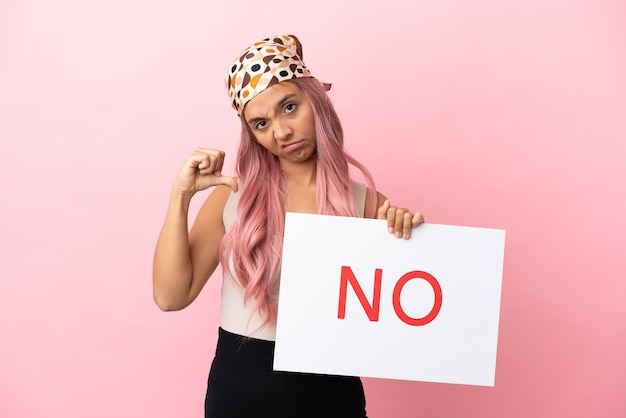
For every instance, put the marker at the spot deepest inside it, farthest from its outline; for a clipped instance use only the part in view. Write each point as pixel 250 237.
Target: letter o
pixel 397 290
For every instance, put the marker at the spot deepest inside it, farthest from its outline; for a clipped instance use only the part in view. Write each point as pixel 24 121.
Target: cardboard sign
pixel 355 300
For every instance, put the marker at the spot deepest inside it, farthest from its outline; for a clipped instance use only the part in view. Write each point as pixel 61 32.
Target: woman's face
pixel 281 119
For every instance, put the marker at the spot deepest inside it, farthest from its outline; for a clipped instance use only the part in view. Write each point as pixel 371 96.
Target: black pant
pixel 243 384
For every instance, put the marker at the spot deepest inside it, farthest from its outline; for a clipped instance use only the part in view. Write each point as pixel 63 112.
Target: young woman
pixel 291 158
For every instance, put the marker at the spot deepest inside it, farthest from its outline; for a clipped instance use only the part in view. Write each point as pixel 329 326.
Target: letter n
pixel 372 310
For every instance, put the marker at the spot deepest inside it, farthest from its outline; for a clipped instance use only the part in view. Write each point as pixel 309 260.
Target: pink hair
pixel 260 214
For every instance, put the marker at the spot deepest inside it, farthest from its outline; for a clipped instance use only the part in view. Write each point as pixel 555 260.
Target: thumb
pixel 382 210
pixel 227 181
pixel 418 218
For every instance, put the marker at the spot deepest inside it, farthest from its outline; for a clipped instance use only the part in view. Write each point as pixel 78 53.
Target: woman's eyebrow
pixel 285 99
pixel 254 120
pixel 280 103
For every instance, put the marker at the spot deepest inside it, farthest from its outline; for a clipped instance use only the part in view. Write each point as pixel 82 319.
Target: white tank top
pixel 237 317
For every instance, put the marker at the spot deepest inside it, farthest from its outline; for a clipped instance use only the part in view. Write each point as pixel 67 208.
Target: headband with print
pixel 262 65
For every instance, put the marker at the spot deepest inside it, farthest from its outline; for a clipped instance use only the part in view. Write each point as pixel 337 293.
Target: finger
pixel 218 160
pixel 227 181
pixel 398 221
pixel 195 161
pixel 418 218
pixel 209 151
pixel 407 225
pixel 204 163
pixel 210 159
pixel 382 210
pixel 391 219
pixel 211 164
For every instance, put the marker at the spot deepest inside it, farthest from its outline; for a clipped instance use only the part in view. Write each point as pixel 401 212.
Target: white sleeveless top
pixel 237 317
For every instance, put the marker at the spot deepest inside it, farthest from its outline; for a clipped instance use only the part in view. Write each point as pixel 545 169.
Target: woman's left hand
pixel 400 221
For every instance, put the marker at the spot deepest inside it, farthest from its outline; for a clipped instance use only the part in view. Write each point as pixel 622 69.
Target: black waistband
pixel 250 353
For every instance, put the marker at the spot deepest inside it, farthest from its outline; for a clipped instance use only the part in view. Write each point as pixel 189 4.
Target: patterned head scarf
pixel 262 65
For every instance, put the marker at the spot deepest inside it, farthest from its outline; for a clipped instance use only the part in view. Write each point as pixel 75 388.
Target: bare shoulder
pixel 218 197
pixel 209 216
pixel 380 199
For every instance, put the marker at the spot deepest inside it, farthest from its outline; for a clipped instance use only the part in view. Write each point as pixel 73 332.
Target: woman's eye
pixel 290 107
pixel 260 124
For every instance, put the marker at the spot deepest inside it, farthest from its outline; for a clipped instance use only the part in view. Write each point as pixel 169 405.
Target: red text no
pixel 372 310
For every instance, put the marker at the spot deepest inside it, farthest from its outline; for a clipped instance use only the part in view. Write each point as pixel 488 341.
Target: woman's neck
pixel 301 174
pixel 300 185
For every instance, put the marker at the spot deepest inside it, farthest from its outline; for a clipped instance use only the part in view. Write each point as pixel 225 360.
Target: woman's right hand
pixel 203 169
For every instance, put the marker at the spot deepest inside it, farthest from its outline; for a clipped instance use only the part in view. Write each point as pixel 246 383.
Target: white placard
pixel 439 300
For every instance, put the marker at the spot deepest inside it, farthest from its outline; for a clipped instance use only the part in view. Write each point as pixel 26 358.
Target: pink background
pixel 497 113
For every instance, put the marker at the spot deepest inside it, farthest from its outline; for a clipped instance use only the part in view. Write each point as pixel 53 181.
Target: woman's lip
pixel 292 145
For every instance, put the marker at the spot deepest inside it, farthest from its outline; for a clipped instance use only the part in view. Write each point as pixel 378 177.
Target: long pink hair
pixel 255 238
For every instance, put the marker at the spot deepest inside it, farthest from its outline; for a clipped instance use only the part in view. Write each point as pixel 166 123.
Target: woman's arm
pixel 183 261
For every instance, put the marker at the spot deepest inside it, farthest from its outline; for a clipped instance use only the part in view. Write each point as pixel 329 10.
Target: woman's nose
pixel 282 130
